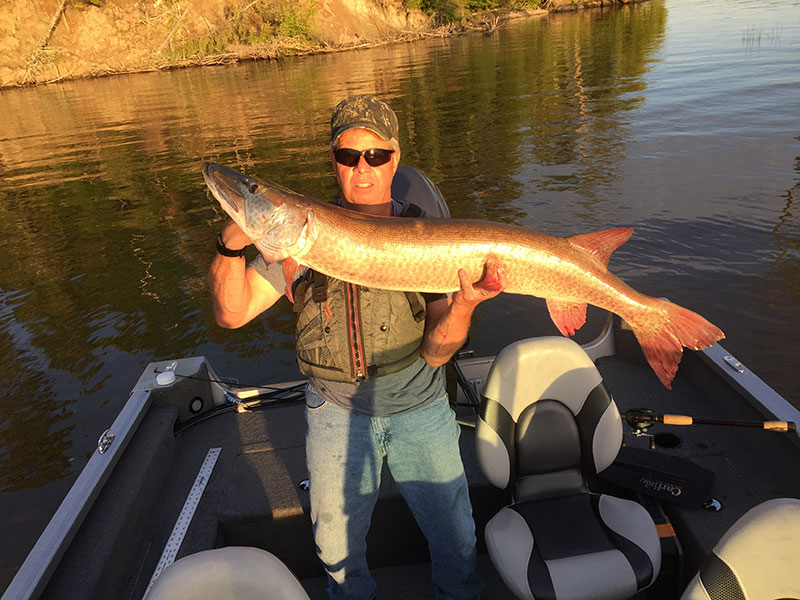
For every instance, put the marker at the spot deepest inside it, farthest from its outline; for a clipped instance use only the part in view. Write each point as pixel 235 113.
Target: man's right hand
pixel 238 291
pixel 233 237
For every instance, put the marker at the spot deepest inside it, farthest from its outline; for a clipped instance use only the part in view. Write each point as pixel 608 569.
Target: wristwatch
pixel 225 251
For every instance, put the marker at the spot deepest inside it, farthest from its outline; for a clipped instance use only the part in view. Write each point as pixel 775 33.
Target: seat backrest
pixel 411 185
pixel 234 573
pixel 758 557
pixel 545 418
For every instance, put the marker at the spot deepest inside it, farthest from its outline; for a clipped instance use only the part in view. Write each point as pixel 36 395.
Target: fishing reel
pixel 640 420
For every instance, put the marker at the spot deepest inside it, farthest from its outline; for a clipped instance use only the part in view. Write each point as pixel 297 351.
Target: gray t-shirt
pixel 395 393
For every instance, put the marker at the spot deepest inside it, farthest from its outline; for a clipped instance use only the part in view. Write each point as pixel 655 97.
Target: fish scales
pixel 426 255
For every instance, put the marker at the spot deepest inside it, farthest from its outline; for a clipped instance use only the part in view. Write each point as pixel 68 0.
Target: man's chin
pixel 366 195
pixel 369 205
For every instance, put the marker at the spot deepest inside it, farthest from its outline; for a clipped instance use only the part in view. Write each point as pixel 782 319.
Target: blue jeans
pixel 345 453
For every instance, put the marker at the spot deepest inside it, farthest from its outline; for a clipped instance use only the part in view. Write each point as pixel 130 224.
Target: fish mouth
pixel 225 184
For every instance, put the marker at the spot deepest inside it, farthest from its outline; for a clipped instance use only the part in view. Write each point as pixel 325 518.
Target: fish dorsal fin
pixel 601 244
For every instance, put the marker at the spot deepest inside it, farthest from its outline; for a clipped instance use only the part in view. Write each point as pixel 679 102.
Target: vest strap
pixel 413 211
pixel 417 307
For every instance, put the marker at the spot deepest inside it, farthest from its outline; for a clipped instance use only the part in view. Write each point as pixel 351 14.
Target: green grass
pixel 445 12
pixel 259 22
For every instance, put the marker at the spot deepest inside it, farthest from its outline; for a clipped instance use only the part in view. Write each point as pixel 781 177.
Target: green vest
pixel 346 332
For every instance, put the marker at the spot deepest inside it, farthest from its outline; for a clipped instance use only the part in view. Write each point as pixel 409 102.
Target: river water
pixel 679 119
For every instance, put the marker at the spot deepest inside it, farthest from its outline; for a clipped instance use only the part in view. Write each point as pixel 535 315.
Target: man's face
pixel 363 184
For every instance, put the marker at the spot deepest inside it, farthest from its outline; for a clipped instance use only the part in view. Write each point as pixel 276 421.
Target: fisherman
pixel 376 386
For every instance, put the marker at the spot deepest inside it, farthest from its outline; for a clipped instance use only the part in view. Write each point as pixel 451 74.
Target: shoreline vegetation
pixel 57 40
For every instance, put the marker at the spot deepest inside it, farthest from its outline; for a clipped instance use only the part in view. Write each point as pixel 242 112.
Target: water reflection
pixel 31 455
pixel 785 273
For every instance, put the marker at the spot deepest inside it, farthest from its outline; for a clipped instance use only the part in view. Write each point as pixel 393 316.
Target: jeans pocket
pixel 314 401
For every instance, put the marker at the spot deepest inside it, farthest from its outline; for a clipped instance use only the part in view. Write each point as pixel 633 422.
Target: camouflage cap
pixel 364 112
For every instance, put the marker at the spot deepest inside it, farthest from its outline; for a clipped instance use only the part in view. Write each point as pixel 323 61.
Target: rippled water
pixel 680 120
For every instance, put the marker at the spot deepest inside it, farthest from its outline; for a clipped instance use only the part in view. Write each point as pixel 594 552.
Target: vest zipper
pixel 356 341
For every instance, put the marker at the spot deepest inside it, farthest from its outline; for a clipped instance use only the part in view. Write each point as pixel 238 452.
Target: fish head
pixel 276 219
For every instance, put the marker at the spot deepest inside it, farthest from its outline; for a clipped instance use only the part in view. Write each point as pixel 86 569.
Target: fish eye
pixel 253 188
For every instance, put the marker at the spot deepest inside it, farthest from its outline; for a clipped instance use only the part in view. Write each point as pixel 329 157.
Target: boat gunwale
pixel 750 386
pixel 42 561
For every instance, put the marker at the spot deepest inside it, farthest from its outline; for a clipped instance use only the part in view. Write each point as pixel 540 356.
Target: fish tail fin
pixel 665 330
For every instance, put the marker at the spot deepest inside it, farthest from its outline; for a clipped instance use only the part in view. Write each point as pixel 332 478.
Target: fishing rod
pixel 247 390
pixel 641 419
pixel 254 400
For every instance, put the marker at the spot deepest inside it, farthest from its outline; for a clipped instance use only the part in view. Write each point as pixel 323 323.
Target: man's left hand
pixel 447 322
pixel 490 285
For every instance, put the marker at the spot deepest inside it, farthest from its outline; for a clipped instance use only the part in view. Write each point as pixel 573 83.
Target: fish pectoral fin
pixel 491 281
pixel 567 316
pixel 601 244
pixel 290 266
pixel 305 238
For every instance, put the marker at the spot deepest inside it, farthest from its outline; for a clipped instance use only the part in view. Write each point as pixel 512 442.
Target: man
pixel 375 388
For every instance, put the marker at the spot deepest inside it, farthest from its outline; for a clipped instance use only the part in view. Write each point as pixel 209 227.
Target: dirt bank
pixel 43 41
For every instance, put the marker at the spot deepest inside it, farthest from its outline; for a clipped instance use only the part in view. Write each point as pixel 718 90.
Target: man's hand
pixel 448 321
pixel 239 292
pixel 490 285
pixel 233 237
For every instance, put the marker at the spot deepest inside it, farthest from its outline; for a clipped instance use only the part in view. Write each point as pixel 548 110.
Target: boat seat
pixel 234 573
pixel 411 185
pixel 546 423
pixel 758 557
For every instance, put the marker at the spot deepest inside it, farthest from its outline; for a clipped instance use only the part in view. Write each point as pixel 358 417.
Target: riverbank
pixel 55 40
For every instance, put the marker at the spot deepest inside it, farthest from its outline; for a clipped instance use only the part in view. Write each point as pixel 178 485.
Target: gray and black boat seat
pixel 758 557
pixel 238 572
pixel 546 423
pixel 412 186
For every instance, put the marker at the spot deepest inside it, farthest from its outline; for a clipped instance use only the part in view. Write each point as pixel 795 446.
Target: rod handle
pixel 677 420
pixel 780 425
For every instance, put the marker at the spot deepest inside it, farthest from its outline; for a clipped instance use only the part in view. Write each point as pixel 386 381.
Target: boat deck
pixel 256 500
pixel 254 497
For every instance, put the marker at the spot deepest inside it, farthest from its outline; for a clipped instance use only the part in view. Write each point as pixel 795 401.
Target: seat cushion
pixel 236 572
pixel 579 546
pixel 758 556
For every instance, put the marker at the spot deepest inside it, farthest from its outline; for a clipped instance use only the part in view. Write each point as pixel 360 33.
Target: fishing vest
pixel 347 332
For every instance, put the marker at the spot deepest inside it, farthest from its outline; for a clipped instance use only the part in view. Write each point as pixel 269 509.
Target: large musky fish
pixel 425 255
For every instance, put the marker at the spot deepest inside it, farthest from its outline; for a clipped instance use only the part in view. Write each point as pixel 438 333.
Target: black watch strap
pixel 225 251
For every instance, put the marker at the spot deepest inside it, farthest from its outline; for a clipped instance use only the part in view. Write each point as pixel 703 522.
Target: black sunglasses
pixel 375 157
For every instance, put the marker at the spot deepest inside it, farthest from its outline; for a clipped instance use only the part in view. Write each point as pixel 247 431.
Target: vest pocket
pixel 312 347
